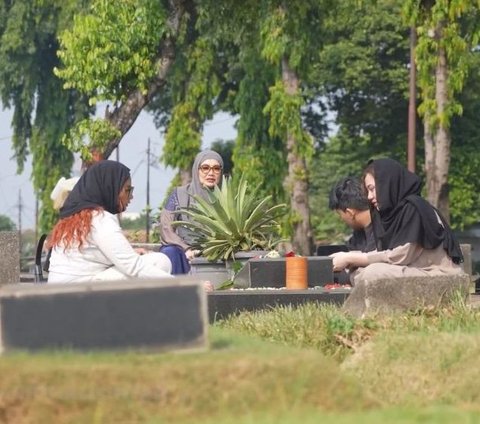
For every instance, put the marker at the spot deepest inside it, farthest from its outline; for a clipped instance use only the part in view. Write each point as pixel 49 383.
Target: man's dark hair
pixel 348 193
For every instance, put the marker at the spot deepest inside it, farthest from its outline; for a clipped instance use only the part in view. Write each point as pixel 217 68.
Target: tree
pixel 6 224
pixel 135 38
pixel 144 41
pixel 42 110
pixel 361 79
pixel 446 30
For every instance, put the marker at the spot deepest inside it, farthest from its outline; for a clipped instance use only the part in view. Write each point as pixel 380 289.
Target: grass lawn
pixel 305 365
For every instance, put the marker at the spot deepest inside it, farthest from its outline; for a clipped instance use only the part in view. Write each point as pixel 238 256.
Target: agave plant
pixel 233 220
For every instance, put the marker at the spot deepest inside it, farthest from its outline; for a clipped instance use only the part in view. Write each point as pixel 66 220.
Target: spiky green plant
pixel 233 220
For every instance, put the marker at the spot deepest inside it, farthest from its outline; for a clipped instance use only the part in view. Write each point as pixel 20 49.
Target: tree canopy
pixel 319 87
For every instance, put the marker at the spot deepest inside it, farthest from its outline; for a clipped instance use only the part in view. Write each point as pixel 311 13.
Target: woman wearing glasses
pixel 88 243
pixel 206 174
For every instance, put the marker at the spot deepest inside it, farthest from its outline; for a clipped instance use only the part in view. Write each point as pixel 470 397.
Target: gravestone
pixel 270 272
pixel 389 295
pixel 142 314
pixel 9 258
pixel 222 304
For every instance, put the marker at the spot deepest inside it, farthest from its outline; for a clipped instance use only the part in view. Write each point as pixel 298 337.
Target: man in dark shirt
pixel 349 200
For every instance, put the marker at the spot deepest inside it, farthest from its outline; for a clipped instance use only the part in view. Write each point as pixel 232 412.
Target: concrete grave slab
pixel 467 265
pixel 215 272
pixel 385 296
pixel 142 314
pixel 9 258
pixel 222 304
pixel 270 272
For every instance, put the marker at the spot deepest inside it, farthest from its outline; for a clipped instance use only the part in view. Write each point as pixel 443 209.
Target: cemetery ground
pixel 288 365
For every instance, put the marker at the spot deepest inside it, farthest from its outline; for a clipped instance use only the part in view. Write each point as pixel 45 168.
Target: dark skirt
pixel 180 264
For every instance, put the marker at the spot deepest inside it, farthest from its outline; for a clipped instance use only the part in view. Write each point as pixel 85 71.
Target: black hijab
pixel 99 186
pixel 403 215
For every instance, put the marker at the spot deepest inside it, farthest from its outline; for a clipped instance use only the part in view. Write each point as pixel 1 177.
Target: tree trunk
pixel 437 141
pixel 296 182
pixel 185 176
pixel 124 114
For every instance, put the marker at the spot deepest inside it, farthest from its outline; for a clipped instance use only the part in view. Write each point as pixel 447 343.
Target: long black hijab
pixel 99 186
pixel 403 216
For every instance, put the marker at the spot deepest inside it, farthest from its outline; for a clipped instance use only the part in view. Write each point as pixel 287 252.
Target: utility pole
pixel 20 207
pixel 412 107
pixel 147 214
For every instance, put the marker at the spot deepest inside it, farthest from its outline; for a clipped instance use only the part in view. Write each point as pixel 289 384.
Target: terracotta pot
pixel 296 273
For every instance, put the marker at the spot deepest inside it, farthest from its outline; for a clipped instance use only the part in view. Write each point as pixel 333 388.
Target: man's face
pixel 349 217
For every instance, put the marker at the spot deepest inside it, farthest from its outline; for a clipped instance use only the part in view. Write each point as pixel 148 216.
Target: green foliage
pixel 451 26
pixel 295 30
pixel 284 111
pixel 362 76
pixel 183 139
pixel 139 223
pixel 342 156
pixel 6 224
pixel 225 149
pixel 258 155
pixel 194 86
pixel 112 49
pixel 234 219
pixel 463 177
pixel 42 110
pixel 89 134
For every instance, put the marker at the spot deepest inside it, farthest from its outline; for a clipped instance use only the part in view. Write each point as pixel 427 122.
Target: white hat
pixel 62 190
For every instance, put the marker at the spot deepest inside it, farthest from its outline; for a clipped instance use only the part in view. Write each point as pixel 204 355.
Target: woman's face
pixel 125 195
pixel 209 173
pixel 371 192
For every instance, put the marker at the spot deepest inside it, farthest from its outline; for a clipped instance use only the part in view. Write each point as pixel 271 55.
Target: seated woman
pixel 88 243
pixel 206 174
pixel 411 236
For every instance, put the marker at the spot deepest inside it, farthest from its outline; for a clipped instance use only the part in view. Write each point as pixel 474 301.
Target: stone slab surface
pixel 268 272
pixel 222 304
pixel 385 296
pixel 467 265
pixel 9 258
pixel 145 314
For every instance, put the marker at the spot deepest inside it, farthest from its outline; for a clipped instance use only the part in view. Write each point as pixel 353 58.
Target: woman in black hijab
pixel 411 236
pixel 88 243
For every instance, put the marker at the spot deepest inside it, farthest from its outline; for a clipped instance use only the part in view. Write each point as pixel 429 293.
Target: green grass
pixel 307 365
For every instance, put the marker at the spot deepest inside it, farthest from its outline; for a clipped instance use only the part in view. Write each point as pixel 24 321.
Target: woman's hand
pixel 191 253
pixel 342 260
pixel 208 286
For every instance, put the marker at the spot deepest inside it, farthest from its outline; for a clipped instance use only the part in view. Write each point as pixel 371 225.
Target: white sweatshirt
pixel 105 255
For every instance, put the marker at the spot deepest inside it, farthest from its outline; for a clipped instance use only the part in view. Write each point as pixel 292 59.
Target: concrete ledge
pixel 387 296
pixel 9 258
pixel 270 272
pixel 222 304
pixel 145 314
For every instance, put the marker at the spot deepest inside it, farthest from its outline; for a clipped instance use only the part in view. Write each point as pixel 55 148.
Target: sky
pixel 17 190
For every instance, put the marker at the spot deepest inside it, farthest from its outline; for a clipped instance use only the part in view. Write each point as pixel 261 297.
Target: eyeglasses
pixel 205 169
